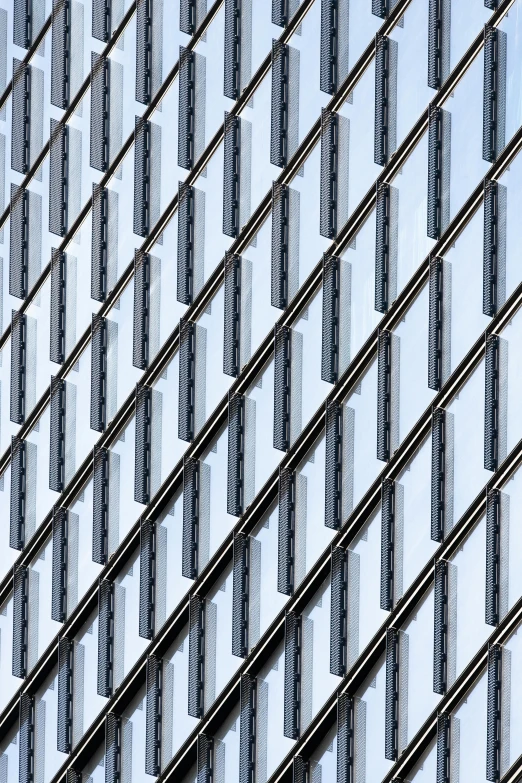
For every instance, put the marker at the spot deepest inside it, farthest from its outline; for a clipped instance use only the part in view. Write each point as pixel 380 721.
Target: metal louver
pixel 280 104
pixel 232 48
pixel 338 611
pixel 22 23
pixel 286 532
pixel 59 569
pixel 144 51
pixel 99 246
pixel 205 758
pixel 100 505
pixel 494 113
pixel 345 738
pixel 280 12
pixel 333 465
pixel 61 53
pixel 57 435
pixel 196 668
pixel 113 741
pixel 186 237
pixel 186 107
pixel 105 637
pixel 147 578
pixel 435 43
pixel 435 323
pixel 18 366
pixel 331 319
pixel 240 596
pixel 384 396
pixel 100 104
pixel 383 100
pixel 141 317
pixel 21 103
pixel 435 142
pixel 493 558
pixel 26 739
pixel 101 20
pixel 292 675
pixel 19 242
pixel 65 695
pixel 282 374
pixel 491 403
pixel 143 443
pixel 280 245
pixel 191 488
pixel 187 16
pixel 247 728
pixel 20 620
pixel 236 454
pixel 440 628
pixel 57 307
pixel 382 248
pixel 329 174
pixel 391 725
pixel 98 373
pixel 18 493
pixel 232 315
pixel 231 175
pixel 387 544
pixel 58 178
pixel 438 474
pixel 380 8
pixel 142 166
pixel 494 715
pixel 187 379
pixel 329 46
pixel 443 747
pixel 154 717
pixel 494 246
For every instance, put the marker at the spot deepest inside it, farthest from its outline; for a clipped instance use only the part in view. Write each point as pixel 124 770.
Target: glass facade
pixel 260 425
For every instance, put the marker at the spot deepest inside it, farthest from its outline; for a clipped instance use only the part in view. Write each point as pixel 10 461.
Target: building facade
pixel 260 420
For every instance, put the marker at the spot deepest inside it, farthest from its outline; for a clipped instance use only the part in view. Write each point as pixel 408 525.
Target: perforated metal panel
pixel 282 390
pixel 147 578
pixel 58 178
pixel 57 435
pixel 440 628
pixel 438 474
pixel 26 739
pixel 19 242
pixel 65 695
pixel 153 715
pixel 329 174
pixel 247 723
pixel 196 656
pixel 187 16
pixel 98 372
pixel 292 670
pixel 112 748
pixel 186 237
pixel 142 165
pixel 240 596
pixel 190 517
pixel 20 101
pixel 144 51
pixel 18 496
pixel 285 548
pixel 333 466
pixel 387 544
pixel 435 171
pixel 329 46
pixel 18 366
pixel 57 307
pixel 382 248
pixel 186 107
pixel 59 570
pixel 391 695
pixel 382 100
pixel 99 246
pixel 61 54
pixel 494 106
pixel 232 48
pixel 494 724
pixel 101 19
pixel 331 319
pixel 435 33
pixel 443 747
pixel 22 23
pixel 231 175
pixel 436 290
pixel 338 611
pixel 491 403
pixel 187 372
pixel 105 637
pixel 380 8
pixel 232 315
pixel 100 505
pixel 280 104
pixel 141 319
pixel 280 245
pixel 205 758
pixel 492 238
pixel 236 454
pixel 345 738
pixel 384 401
pixel 280 12
pixel 20 620
pixel 493 558
pixel 99 128
pixel 143 443
pixel 491 4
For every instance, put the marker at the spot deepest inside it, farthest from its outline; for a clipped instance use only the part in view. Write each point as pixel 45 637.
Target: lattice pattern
pixel 61 55
pixel 285 551
pixel 186 240
pixel 391 695
pixel 292 671
pixel 494 281
pixel 491 403
pixel 435 140
pixel 338 611
pixel 493 575
pixel 232 316
pixel 384 401
pixel 435 336
pixel 186 108
pixel 240 596
pixel 19 242
pixel 98 372
pixel 438 474
pixel 58 179
pixel 99 247
pixel 143 444
pixel 382 248
pixel 100 506
pixel 331 319
pixel 113 743
pixel 282 389
pixel 142 314
pixel 387 544
pixel 380 8
pixel 26 739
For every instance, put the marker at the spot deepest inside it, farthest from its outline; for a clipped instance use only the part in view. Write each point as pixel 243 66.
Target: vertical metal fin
pixel 187 372
pixel 186 107
pixel 18 493
pixel 190 517
pixel 280 12
pixel 100 239
pixel 65 695
pixel 438 474
pixel 196 656
pixel 391 731
pixel 144 51
pixel 105 637
pixel 493 558
pixel 240 596
pixel 187 16
pixel 141 319
pixel 333 466
pixel 59 570
pixel 494 112
pixel 205 758
pixel 19 242
pixel 280 104
pixel 112 748
pixel 382 248
pixel 380 8
pixel 440 628
pixel 21 102
pixel 232 63
pixel 338 611
pixel 26 739
pixel 58 178
pixel 20 620
pixel 329 46
pixel 18 366
pixel 61 54
pixel 345 738
pixel 435 141
pixel 286 542
pixel 22 23
pixel 383 99
pixel 331 319
pixel 292 675
pixel 232 315
pixel 236 454
pixel 142 166
pixel 443 747
pixel 147 578
pixel 494 246
pixel 98 372
pixel 329 174
pixel 387 544
pixel 231 175
pixel 280 245
pixel 142 465
pixel 57 435
pixel 100 506
pixel 247 729
pixel 101 20
pixel 282 373
pixel 494 724
pixel 384 402
pixel 99 127
pixel 491 404
pixel 57 307
pixel 186 237
pixel 436 291
pixel 435 44
pixel 153 720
